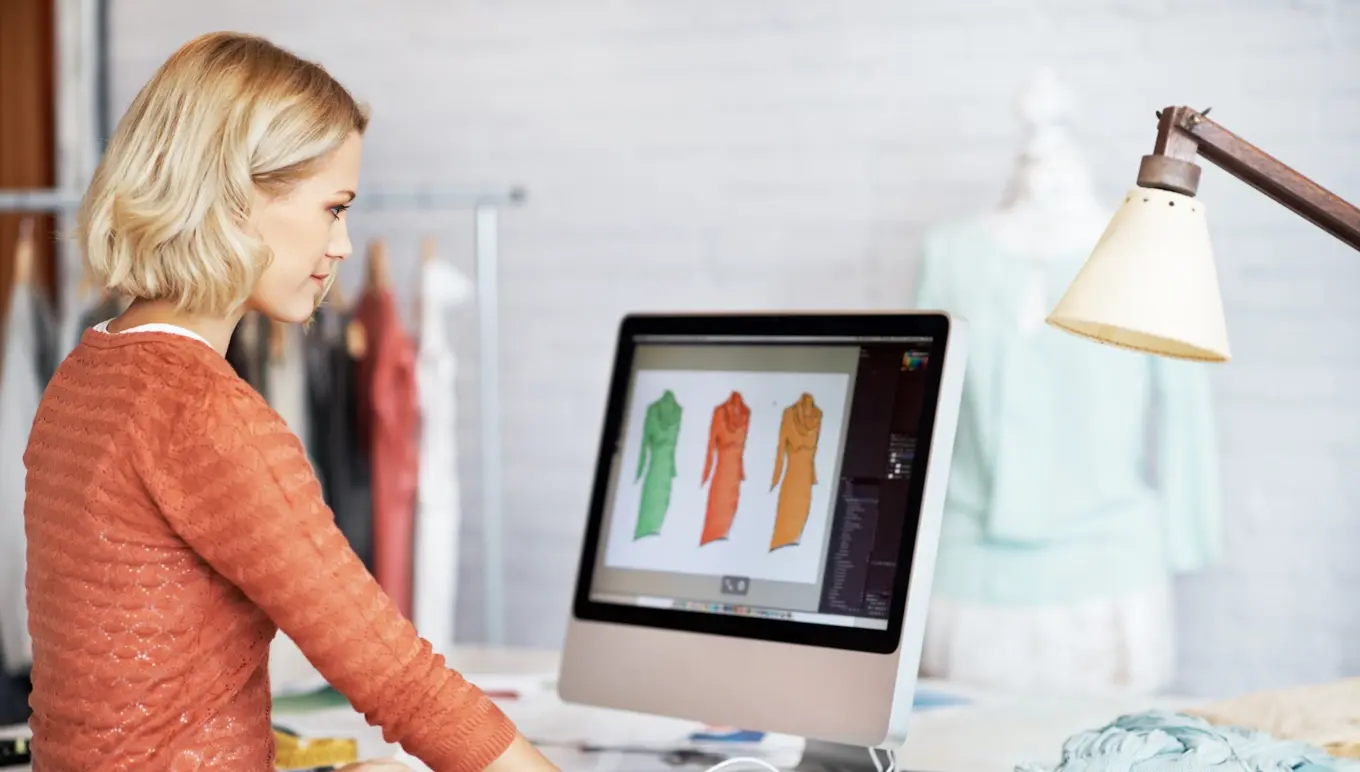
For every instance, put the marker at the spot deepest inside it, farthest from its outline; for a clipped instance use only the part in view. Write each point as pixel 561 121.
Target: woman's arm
pixel 235 483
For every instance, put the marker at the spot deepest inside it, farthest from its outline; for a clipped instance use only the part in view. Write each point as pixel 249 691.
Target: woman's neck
pixel 216 330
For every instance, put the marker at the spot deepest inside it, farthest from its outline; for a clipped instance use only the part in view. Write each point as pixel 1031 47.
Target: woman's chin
pixel 291 313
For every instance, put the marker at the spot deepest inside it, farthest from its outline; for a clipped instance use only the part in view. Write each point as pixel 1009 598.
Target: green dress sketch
pixel 659 433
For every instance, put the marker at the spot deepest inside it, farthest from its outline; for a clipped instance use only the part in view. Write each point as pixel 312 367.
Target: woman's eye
pixel 339 209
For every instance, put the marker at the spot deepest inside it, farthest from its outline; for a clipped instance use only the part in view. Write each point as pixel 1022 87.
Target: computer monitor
pixel 764 522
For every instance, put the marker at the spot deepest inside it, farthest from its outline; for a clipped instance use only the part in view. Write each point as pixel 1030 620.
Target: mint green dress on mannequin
pixel 659 434
pixel 1083 477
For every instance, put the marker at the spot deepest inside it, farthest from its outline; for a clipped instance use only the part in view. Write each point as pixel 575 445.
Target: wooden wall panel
pixel 27 127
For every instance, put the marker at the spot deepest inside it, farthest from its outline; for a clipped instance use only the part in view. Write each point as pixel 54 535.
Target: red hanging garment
pixel 391 418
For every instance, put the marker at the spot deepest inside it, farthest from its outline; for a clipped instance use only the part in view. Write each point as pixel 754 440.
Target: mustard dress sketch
pixel 659 433
pixel 799 431
pixel 726 442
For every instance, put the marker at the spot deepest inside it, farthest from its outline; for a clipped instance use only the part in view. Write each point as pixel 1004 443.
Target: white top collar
pixel 173 329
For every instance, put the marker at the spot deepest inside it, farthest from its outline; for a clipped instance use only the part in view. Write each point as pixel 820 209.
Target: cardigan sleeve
pixel 236 485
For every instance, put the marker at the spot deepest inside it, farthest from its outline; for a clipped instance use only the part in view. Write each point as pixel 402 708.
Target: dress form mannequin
pixel 1049 207
pixel 1050 203
pixel 1056 549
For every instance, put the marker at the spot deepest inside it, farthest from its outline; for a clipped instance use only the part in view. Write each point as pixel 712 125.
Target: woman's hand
pixel 521 756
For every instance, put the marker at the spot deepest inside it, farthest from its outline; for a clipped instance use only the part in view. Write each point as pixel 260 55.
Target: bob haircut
pixel 225 116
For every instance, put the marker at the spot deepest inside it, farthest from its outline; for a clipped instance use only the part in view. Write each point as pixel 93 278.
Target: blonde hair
pixel 226 114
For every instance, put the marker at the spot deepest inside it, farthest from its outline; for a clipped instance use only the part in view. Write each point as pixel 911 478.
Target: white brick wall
pixel 712 154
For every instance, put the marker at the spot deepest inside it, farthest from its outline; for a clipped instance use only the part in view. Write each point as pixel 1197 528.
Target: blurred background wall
pixel 711 154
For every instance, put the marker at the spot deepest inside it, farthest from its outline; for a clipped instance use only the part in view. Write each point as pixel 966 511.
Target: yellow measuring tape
pixel 292 751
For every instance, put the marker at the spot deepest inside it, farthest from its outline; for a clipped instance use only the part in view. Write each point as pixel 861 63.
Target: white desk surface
pixel 992 733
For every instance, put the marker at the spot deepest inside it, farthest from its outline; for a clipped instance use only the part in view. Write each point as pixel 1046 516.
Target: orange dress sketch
pixel 799 431
pixel 726 441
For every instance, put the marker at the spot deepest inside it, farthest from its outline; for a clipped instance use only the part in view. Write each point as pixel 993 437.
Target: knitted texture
pixel 173 521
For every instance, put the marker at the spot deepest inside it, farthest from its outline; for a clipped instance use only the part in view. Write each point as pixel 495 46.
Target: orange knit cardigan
pixel 173 521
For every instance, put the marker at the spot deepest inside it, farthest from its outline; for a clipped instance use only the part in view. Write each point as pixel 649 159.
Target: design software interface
pixel 764 478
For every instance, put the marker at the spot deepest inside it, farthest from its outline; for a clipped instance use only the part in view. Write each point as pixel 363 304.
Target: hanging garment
pixel 1050 473
pixel 286 377
pixel 660 431
pixel 342 462
pixel 391 413
pixel 14 692
pixel 21 387
pixel 248 351
pixel 726 443
pixel 286 392
pixel 70 323
pixel 438 495
pixel 46 343
pixel 799 431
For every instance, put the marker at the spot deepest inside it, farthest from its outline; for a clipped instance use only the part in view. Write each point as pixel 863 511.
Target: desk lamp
pixel 1150 283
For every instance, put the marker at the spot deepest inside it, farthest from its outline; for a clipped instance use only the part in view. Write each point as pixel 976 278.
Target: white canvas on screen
pixel 746 550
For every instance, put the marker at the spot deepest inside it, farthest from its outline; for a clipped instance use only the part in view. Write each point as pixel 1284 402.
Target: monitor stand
pixel 821 756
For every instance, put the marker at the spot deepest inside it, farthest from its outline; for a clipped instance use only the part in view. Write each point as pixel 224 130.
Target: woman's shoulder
pixel 204 416
pixel 218 410
pixel 178 384
pixel 169 358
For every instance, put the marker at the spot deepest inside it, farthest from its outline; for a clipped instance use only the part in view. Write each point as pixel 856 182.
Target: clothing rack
pixel 420 198
pixel 42 201
pixel 485 205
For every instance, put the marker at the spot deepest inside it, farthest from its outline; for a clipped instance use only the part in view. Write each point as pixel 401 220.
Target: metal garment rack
pixel 486 208
pixel 49 201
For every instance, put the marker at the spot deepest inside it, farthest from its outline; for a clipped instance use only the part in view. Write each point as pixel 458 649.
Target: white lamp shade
pixel 1150 284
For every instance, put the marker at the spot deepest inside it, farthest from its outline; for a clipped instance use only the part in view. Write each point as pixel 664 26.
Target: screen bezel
pixel 813 328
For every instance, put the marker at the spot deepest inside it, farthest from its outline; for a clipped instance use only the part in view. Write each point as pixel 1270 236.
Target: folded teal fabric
pixel 1163 741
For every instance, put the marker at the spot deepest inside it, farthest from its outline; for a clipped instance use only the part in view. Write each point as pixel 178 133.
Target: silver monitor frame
pixel 844 697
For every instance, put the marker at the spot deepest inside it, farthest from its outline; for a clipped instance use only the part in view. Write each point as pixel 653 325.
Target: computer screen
pixel 764 485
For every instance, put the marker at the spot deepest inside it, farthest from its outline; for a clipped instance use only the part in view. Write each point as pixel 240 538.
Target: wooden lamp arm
pixel 1183 133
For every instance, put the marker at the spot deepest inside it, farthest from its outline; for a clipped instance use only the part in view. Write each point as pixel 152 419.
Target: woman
pixel 173 520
